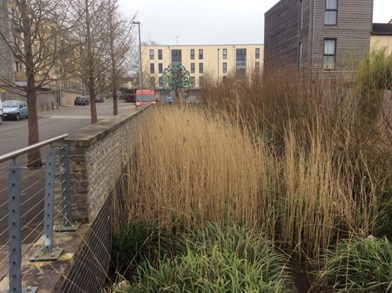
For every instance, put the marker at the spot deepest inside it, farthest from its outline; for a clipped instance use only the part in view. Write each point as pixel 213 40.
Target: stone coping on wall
pixel 90 134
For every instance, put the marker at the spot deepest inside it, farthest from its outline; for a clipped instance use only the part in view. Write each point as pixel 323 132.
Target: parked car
pixel 1 111
pixel 193 100
pixel 169 100
pixel 14 109
pixel 99 99
pixel 81 100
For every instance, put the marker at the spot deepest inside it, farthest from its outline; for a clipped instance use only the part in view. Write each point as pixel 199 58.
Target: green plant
pixel 384 219
pixel 217 259
pixel 176 78
pixel 137 242
pixel 375 70
pixel 357 265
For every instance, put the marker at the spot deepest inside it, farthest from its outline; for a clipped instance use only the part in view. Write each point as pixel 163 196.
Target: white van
pixel 1 111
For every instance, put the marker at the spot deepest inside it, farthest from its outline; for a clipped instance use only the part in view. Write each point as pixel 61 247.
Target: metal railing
pixel 31 206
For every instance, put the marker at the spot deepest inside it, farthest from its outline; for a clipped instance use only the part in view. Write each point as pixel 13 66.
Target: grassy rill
pixel 216 259
pixel 194 166
pixel 357 265
pixel 304 161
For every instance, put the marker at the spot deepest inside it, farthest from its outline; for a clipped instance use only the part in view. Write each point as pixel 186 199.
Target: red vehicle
pixel 145 97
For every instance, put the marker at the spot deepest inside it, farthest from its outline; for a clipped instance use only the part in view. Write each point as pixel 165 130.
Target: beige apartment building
pixel 381 36
pixel 215 61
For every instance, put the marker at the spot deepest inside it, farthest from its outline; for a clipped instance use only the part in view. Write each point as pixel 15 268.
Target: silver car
pixel 14 109
pixel 1 111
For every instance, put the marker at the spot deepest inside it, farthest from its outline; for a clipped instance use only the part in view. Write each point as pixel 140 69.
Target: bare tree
pixel 90 59
pixel 121 41
pixel 32 35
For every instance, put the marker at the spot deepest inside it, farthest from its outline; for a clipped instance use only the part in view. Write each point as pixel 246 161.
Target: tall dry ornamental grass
pixel 192 167
pixel 195 166
pixel 306 160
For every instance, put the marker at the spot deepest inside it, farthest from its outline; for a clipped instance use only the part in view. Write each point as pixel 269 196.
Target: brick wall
pixel 98 154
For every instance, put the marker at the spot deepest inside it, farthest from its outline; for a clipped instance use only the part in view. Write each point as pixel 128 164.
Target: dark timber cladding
pixel 296 31
pixel 281 34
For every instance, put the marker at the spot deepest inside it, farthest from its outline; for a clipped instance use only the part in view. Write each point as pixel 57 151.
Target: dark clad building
pixel 317 35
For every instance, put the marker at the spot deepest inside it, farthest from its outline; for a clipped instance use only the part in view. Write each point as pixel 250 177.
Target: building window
pixel 176 56
pixel 224 69
pixel 224 53
pixel 331 12
pixel 240 61
pixel 301 14
pixel 257 53
pixel 192 54
pixel 201 81
pixel 192 67
pixel 159 54
pixel 160 80
pixel 151 54
pixel 152 68
pixel 201 68
pixel 18 66
pixel 160 67
pixel 201 54
pixel 192 81
pixel 257 67
pixel 299 56
pixel 152 81
pixel 329 59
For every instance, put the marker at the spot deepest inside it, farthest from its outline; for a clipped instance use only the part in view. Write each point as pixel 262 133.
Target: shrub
pixel 217 259
pixel 137 242
pixel 357 265
pixel 375 70
pixel 384 218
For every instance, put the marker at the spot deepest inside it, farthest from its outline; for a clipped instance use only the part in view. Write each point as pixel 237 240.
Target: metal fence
pixel 28 207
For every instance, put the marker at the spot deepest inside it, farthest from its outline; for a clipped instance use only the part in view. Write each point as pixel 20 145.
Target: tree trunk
pixel 34 157
pixel 93 106
pixel 90 64
pixel 113 59
pixel 115 104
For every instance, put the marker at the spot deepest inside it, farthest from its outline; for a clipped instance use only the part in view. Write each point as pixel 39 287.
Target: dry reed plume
pixel 193 166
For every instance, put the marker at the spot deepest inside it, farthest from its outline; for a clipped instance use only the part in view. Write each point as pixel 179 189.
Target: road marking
pixel 74 117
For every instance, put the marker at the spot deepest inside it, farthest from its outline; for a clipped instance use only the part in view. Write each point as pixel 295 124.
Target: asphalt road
pixel 13 134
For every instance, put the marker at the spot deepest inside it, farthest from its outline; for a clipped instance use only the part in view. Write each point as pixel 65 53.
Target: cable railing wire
pixel 31 189
pixel 33 196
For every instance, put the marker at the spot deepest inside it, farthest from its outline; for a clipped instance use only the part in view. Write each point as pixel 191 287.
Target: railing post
pixel 67 223
pixel 48 252
pixel 14 223
pixel 14 226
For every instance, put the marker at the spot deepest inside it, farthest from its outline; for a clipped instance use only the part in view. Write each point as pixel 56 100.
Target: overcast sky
pixel 186 22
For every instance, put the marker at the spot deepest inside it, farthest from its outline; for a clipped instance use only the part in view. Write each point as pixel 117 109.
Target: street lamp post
pixel 140 54
pixel 218 65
